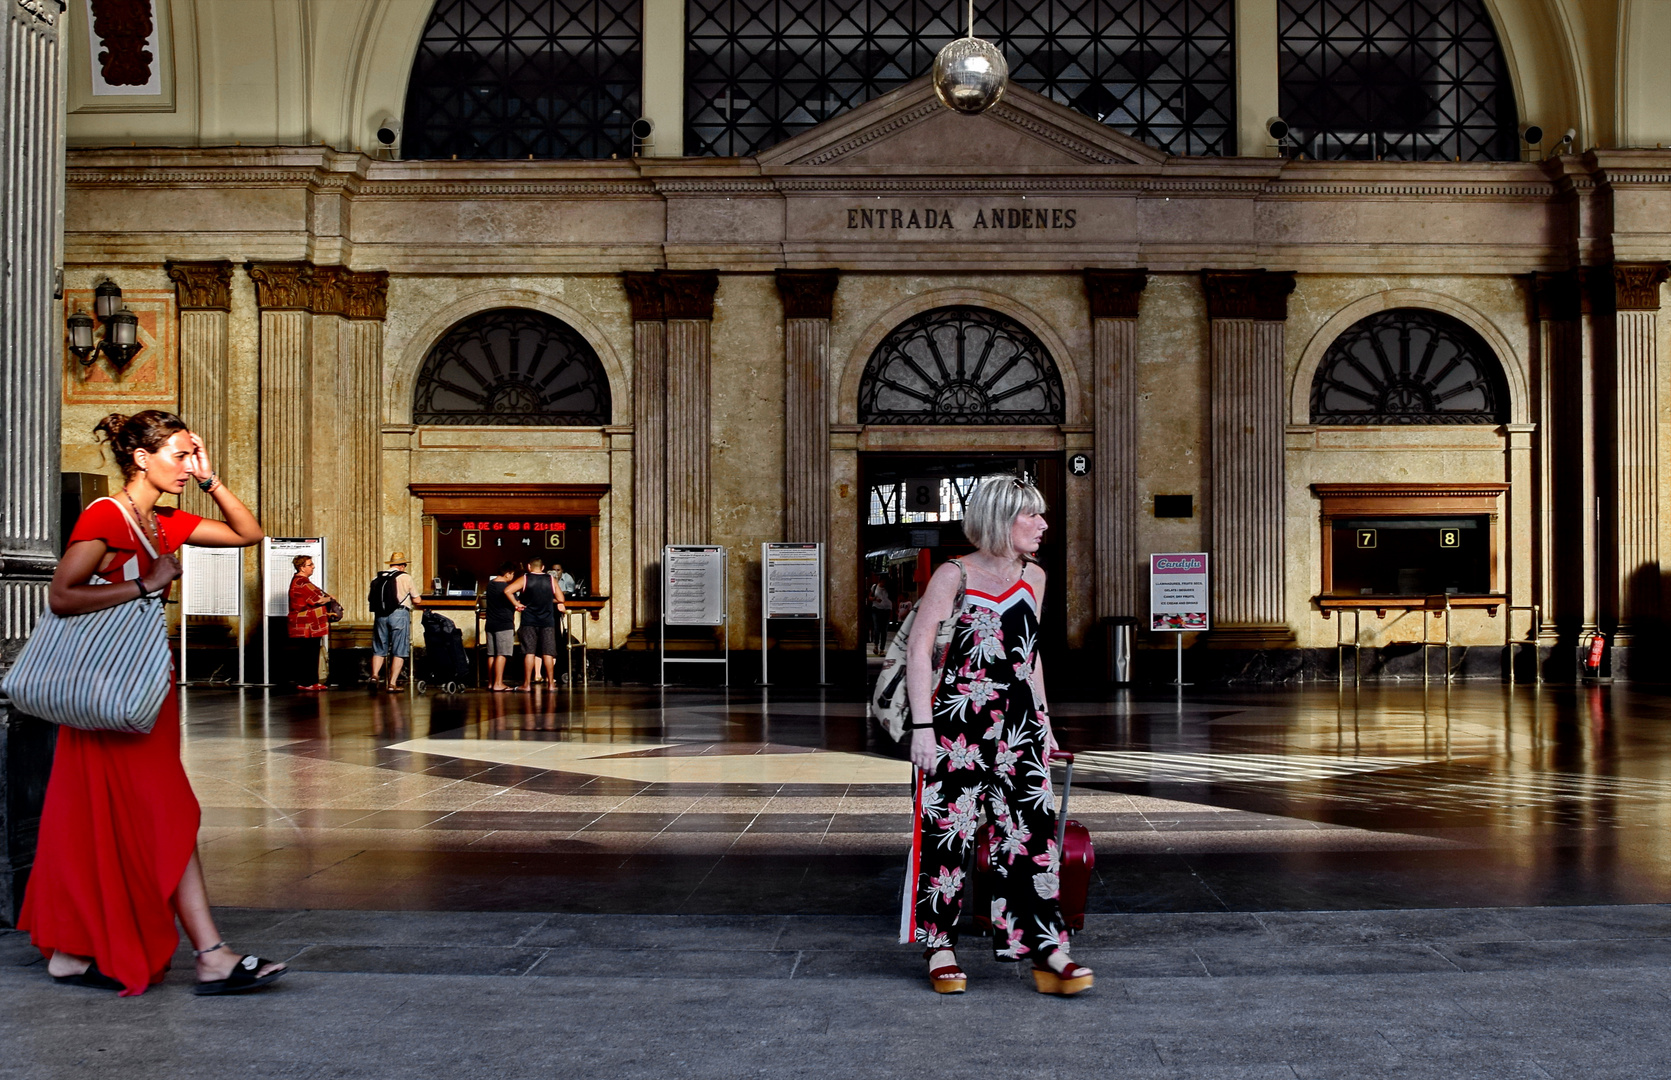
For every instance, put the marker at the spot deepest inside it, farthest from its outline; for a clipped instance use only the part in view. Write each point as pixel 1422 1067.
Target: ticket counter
pixel 470 530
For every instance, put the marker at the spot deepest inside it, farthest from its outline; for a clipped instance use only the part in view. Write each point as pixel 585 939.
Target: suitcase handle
pixel 1062 819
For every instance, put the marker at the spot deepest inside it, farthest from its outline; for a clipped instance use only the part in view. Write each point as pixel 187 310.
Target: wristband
pixel 143 591
pixel 918 727
pixel 208 485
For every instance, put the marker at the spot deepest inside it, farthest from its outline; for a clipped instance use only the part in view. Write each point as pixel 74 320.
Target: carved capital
pixel 123 27
pixel 330 295
pixel 688 294
pixel 282 286
pixel 1114 294
pixel 643 295
pixel 1636 285
pixel 366 294
pixel 1248 294
pixel 201 286
pixel 807 294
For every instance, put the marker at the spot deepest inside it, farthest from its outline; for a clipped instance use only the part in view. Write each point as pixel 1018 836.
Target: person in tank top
pixel 981 739
pixel 536 594
pixel 500 627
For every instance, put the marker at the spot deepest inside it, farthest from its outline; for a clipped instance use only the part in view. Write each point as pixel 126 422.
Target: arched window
pixel 512 366
pixel 760 71
pixel 525 78
pixel 1409 366
pixel 961 365
pixel 1406 80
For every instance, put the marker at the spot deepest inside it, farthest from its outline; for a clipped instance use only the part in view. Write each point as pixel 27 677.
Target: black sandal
pixel 243 977
pixel 92 978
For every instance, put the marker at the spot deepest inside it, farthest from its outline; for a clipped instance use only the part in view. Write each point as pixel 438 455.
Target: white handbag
pixel 106 670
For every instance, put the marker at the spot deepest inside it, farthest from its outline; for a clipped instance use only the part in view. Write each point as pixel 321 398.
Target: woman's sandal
pixel 949 979
pixel 92 978
pixel 1069 981
pixel 243 977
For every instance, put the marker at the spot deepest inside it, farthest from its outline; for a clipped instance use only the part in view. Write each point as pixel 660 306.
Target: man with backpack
pixel 391 598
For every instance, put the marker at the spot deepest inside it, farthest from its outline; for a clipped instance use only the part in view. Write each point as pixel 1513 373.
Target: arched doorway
pixel 960 392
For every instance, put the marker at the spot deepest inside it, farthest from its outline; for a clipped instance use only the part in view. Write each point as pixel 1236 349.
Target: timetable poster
pixel 794 580
pixel 278 556
pixel 211 580
pixel 693 585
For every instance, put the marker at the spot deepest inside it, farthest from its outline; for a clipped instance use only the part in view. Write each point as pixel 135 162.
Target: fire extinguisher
pixel 1592 659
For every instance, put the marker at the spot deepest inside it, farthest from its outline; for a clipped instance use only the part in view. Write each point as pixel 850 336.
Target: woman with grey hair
pixel 980 735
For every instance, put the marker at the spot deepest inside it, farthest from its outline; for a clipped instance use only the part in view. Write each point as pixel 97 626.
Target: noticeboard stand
pixel 721 617
pixel 186 612
pixel 766 617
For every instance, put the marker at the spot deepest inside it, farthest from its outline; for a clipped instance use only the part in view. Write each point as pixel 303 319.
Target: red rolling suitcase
pixel 1078 859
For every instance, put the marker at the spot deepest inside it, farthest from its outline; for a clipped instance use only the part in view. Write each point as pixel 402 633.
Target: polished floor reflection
pixel 638 800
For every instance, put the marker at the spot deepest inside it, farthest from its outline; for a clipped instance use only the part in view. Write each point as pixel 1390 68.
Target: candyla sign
pixel 1179 564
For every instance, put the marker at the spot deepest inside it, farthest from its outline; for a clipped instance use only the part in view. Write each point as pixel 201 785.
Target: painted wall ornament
pixel 124 26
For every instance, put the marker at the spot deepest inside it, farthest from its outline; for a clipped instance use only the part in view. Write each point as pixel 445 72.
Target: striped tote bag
pixel 104 671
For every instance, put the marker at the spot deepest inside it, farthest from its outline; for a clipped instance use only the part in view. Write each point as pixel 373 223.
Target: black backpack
pixel 384 596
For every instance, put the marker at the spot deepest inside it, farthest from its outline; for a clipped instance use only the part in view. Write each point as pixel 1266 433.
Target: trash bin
pixel 1121 635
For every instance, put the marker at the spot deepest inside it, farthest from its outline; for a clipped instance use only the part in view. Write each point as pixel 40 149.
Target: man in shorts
pixel 393 596
pixel 537 595
pixel 501 625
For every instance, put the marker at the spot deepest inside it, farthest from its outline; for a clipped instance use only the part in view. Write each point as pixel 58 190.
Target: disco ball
pixel 970 75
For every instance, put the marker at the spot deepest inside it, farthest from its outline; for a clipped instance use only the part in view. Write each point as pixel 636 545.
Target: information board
pixel 211 580
pixel 794 585
pixel 276 554
pixel 1178 591
pixel 693 585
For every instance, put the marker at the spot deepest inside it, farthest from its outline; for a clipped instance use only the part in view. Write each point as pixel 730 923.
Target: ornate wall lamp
pixel 121 337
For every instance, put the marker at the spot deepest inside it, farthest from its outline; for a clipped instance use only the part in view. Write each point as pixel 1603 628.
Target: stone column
pixel 649 442
pixel 1558 382
pixel 203 292
pixel 357 550
pixel 688 303
pixel 284 292
pixel 32 345
pixel 1114 296
pixel 1247 309
pixel 1627 441
pixel 808 300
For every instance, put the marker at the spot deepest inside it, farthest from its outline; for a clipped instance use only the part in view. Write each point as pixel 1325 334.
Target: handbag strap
pixel 133 525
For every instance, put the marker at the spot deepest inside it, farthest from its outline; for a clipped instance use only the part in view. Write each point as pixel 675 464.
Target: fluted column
pixel 1559 388
pixel 357 551
pixel 31 374
pixel 649 442
pixel 688 303
pixel 808 301
pixel 203 292
pixel 1247 310
pixel 1114 296
pixel 1629 436
pixel 284 292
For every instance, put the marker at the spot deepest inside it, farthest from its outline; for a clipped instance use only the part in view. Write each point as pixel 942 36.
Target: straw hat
pixel 397 558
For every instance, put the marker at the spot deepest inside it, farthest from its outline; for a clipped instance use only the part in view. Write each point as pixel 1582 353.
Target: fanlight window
pixel 760 71
pixel 1407 80
pixel 525 78
pixel 511 366
pixel 961 365
pixel 1409 366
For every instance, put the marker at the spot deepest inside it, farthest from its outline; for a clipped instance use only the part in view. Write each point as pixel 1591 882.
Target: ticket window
pixel 471 547
pixel 1411 556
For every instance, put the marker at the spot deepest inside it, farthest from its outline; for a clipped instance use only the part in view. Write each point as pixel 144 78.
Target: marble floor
pixel 748 801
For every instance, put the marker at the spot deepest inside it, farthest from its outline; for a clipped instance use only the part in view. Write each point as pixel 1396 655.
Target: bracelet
pixel 208 485
pixel 919 727
pixel 143 591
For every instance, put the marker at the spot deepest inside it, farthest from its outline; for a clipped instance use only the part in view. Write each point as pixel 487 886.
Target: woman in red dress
pixel 117 858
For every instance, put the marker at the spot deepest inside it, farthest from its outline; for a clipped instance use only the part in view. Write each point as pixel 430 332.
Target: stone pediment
pixel 908 130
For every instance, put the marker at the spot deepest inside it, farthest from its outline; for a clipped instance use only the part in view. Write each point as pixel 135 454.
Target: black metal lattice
pixel 512 366
pixel 520 78
pixel 761 71
pixel 961 365
pixel 1411 80
pixel 1409 366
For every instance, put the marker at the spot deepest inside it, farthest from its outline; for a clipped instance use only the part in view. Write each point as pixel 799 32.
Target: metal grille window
pixel 961 365
pixel 1411 80
pixel 515 367
pixel 525 78
pixel 761 71
pixel 1409 366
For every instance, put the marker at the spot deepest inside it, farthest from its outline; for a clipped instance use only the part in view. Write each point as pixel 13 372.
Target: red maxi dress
pixel 120 820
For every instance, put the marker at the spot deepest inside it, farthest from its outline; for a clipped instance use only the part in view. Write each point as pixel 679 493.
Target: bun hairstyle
pixel 127 435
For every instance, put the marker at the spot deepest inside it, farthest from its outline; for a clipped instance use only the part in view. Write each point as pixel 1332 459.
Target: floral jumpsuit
pixel 992 753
